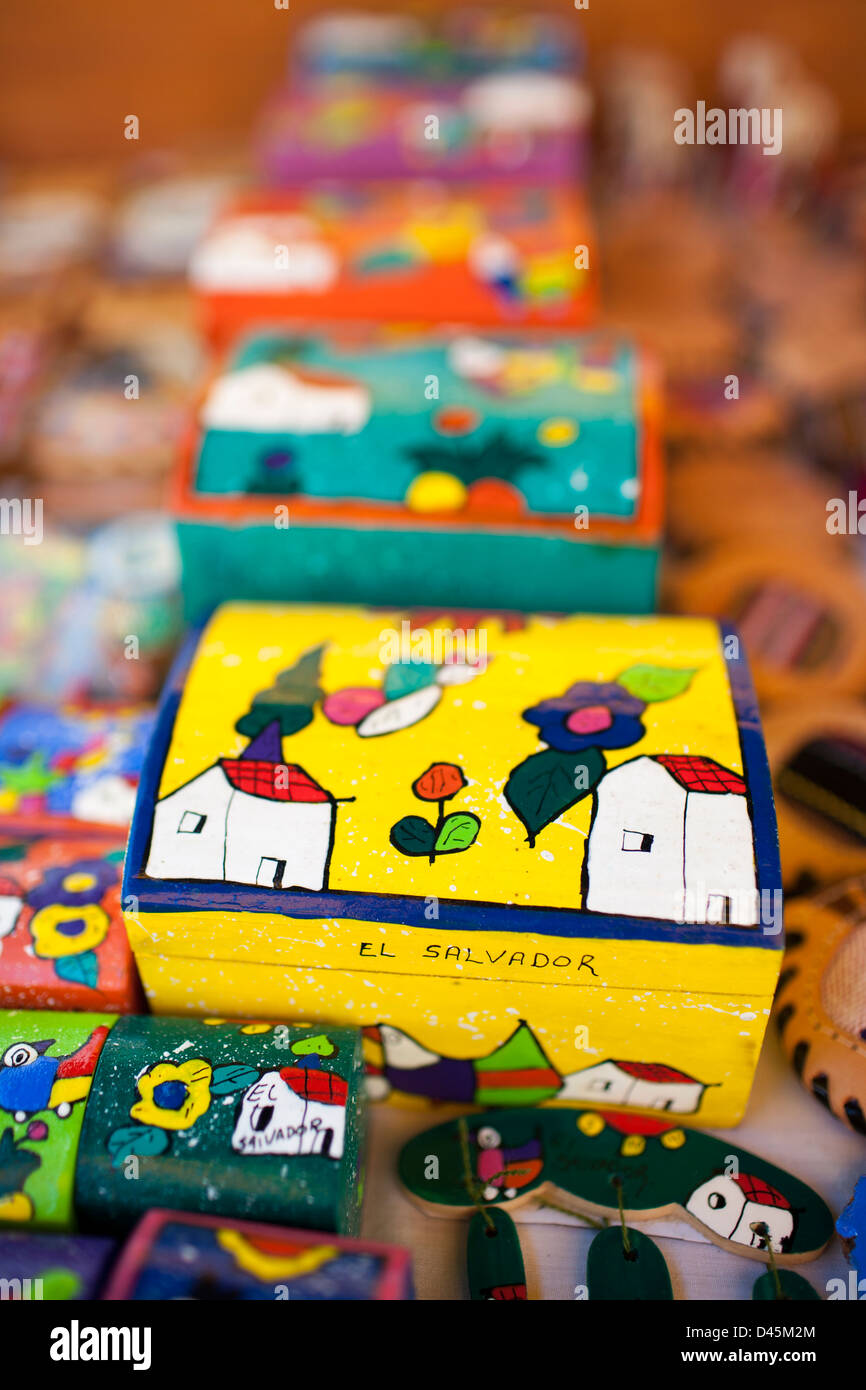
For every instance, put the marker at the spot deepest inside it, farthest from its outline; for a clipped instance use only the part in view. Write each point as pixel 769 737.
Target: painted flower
pixel 591 714
pixel 59 930
pixel 173 1095
pixel 74 884
pixel 440 782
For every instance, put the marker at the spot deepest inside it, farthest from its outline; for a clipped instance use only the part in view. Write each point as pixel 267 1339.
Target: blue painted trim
pixel 165 895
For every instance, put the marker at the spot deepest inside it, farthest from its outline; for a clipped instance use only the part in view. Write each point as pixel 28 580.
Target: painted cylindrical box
pixel 476 469
pixel 535 858
pixel 47 1065
pixel 250 1120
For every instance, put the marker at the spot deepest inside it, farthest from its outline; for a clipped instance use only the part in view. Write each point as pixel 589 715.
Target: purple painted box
pixel 520 124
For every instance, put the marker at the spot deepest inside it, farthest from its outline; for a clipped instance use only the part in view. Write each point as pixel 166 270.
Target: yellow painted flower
pixel 529 371
pixel 173 1095
pixel 557 432
pixel 673 1139
pixel 60 930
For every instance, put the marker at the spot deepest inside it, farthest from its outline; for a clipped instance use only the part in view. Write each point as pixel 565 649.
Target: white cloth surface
pixel 783 1124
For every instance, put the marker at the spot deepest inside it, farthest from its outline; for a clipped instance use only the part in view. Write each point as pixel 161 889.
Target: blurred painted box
pixel 476 471
pixel 535 858
pixel 510 125
pixel 416 252
pixel 172 1255
pixel 63 944
pixel 61 1268
pixel 69 767
pixel 469 40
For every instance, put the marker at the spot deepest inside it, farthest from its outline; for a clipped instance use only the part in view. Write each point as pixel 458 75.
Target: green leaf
pixel 403 677
pixel 291 719
pixel 60 1284
pixel 16 1164
pixel 499 455
pixel 80 970
pixel 653 683
pixel 143 1140
pixel 546 784
pixel 458 832
pixel 232 1076
pixel 641 1275
pixel 319 1045
pixel 413 836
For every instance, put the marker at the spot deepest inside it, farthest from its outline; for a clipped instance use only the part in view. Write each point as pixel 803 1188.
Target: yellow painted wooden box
pixel 534 857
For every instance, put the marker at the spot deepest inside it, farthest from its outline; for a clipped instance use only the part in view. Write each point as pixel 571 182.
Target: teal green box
pixel 449 472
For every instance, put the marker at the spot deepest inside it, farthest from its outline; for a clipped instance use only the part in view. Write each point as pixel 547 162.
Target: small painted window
pixel 270 874
pixel 191 823
pixel 719 908
pixel 637 840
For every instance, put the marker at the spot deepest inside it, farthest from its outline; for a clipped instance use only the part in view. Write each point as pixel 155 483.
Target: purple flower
pixel 74 885
pixel 591 714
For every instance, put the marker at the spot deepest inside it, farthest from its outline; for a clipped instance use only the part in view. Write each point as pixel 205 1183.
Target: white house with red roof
pixel 651 1085
pixel 671 837
pixel 252 819
pixel 734 1206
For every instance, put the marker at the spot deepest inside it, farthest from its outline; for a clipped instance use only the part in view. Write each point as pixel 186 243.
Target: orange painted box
pixel 63 944
pixel 412 252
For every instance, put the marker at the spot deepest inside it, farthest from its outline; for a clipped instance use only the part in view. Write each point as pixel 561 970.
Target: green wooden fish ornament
pixel 610 1165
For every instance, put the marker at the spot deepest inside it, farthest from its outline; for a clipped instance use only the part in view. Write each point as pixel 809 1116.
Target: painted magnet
pixel 591 1161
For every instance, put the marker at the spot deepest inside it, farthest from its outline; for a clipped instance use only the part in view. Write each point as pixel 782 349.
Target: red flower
pixel 440 782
